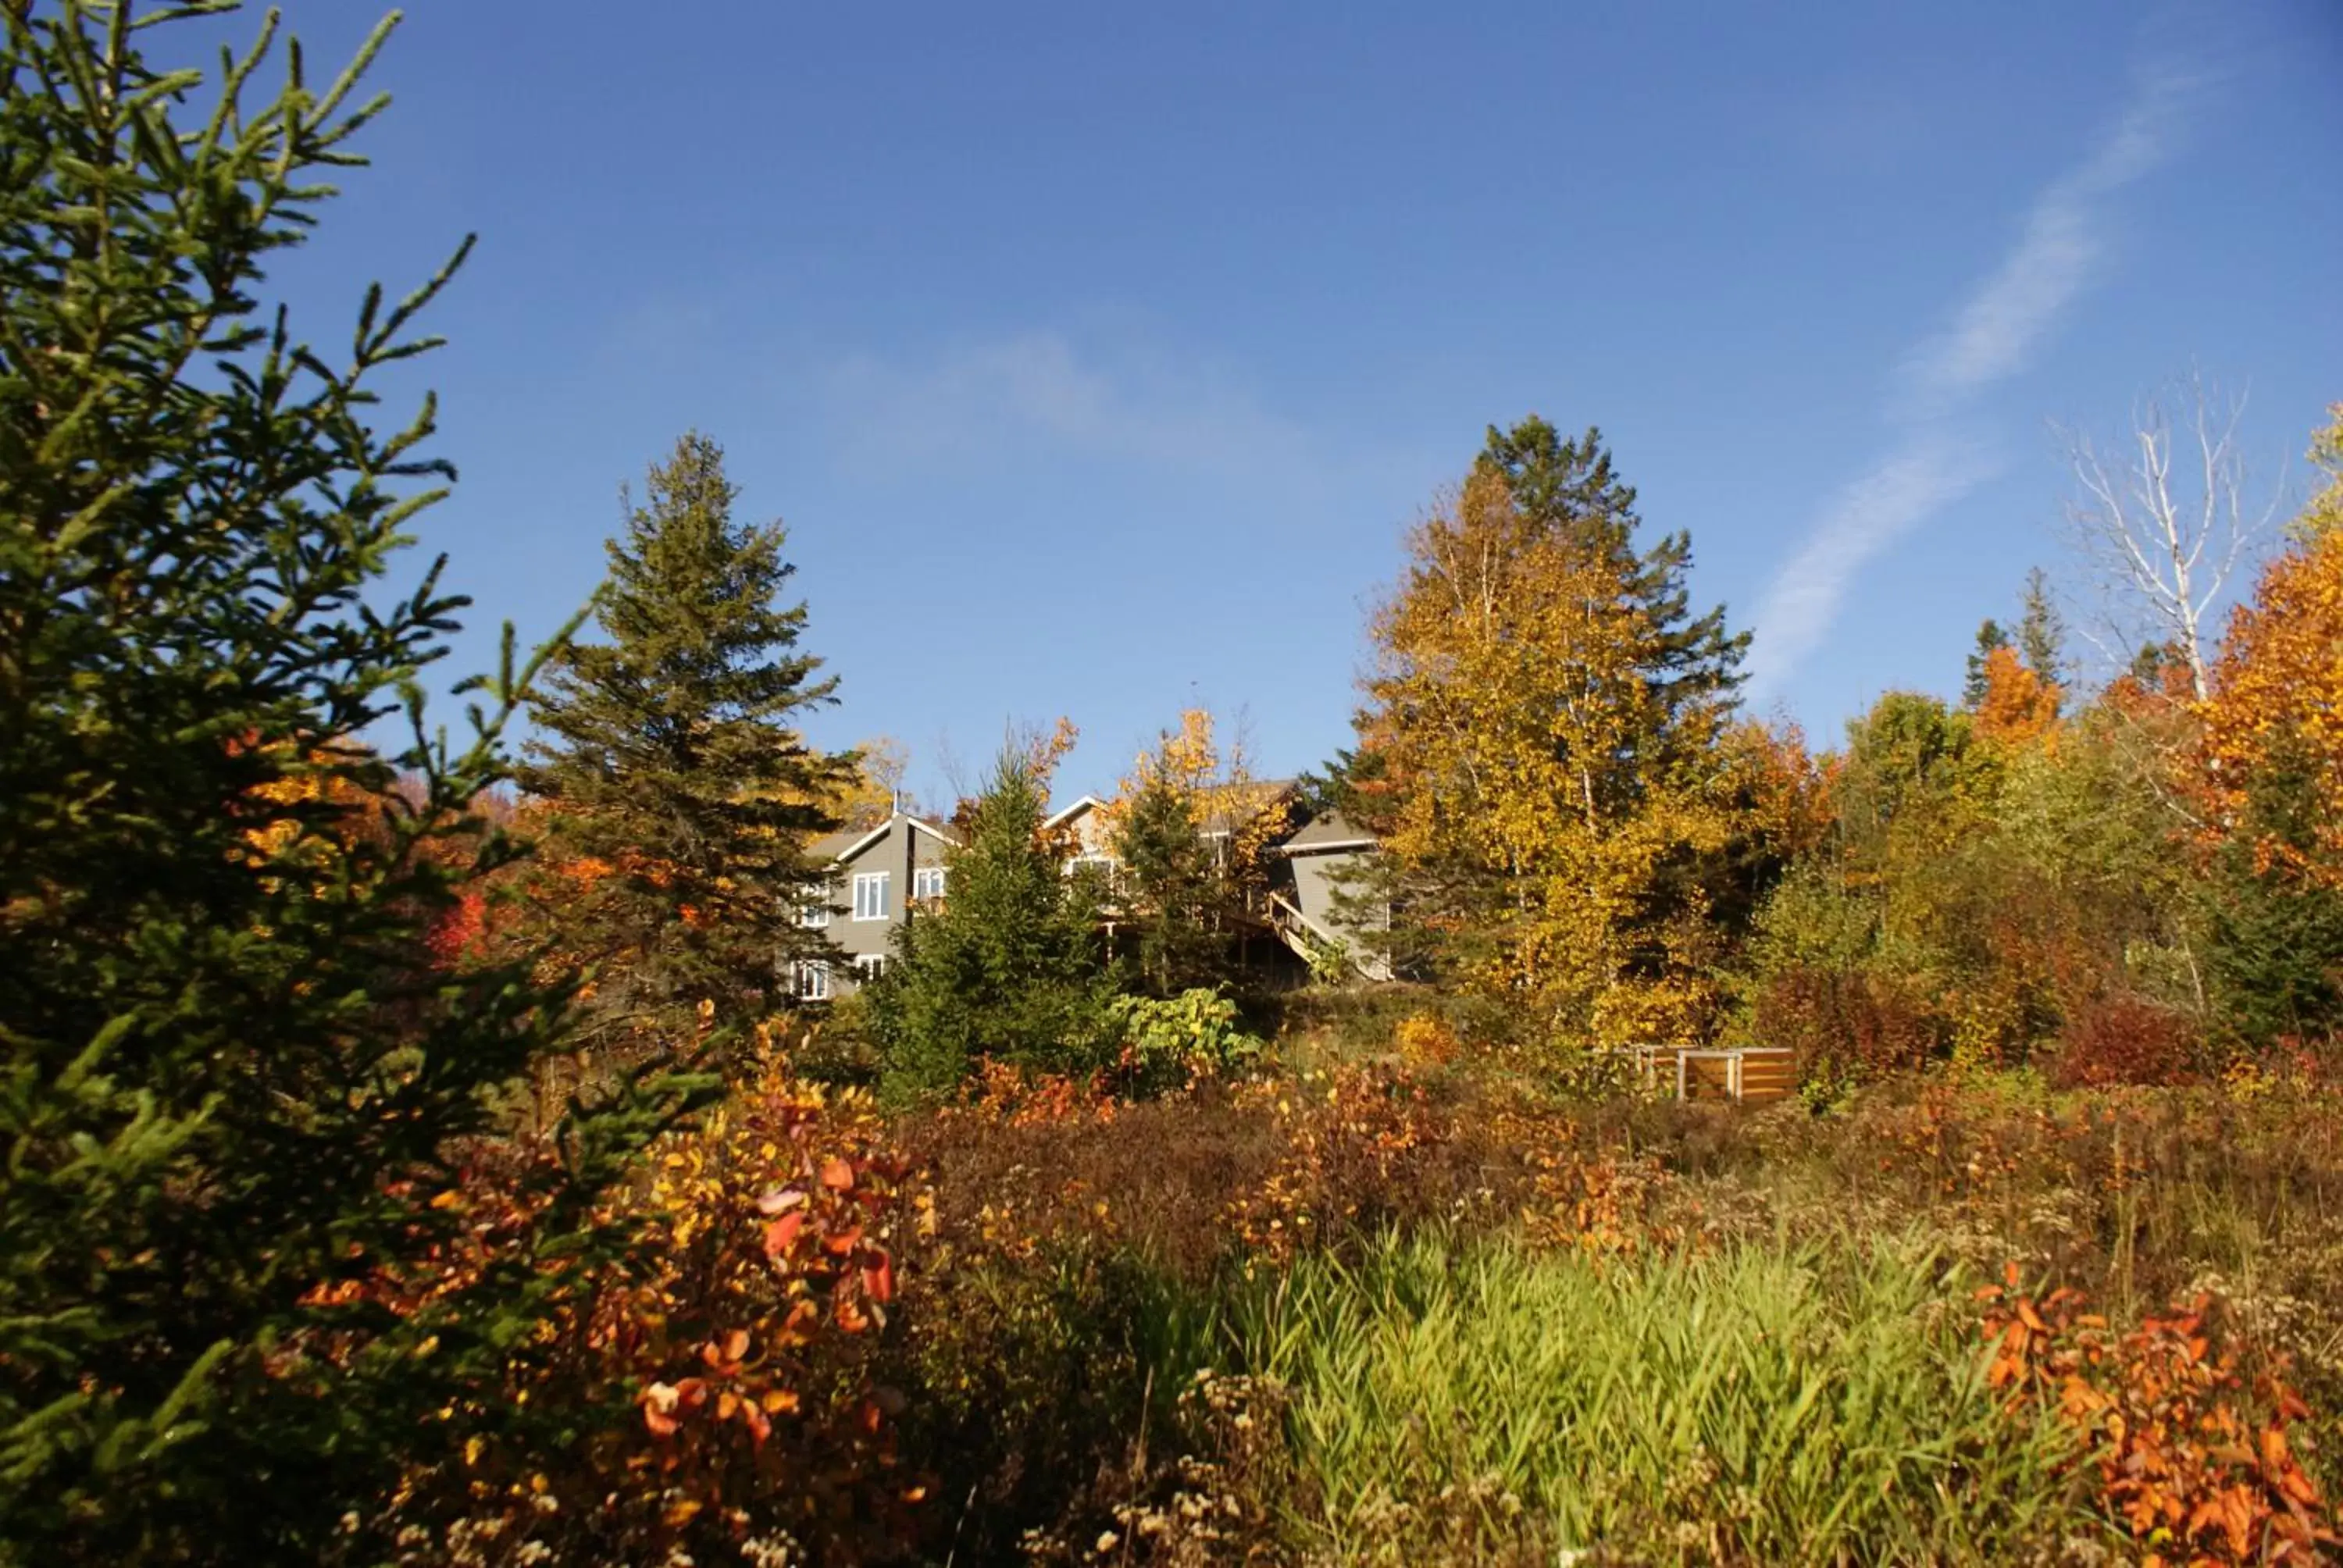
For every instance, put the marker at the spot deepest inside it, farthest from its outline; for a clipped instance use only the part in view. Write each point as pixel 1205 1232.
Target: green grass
pixel 1758 1404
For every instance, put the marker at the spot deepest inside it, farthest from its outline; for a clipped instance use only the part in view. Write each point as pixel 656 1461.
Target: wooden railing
pixel 1308 938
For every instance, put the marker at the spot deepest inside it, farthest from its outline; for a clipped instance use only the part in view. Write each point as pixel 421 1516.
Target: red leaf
pixel 782 1231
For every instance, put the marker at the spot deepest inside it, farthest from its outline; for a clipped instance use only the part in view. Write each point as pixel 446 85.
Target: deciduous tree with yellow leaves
pixel 2272 771
pixel 1544 713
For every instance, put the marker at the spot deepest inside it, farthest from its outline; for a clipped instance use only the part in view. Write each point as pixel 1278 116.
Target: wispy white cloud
pixel 1994 334
pixel 1996 330
pixel 1927 474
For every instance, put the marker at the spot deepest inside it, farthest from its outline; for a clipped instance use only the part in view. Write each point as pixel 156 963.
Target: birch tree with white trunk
pixel 2164 517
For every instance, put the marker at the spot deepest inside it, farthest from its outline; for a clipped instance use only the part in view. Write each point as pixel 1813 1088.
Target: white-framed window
pixel 928 882
pixel 813 917
pixel 869 967
pixel 813 979
pixel 871 895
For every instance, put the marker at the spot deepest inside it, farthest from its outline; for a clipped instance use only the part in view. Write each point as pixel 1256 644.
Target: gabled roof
pixel 847 843
pixel 1330 831
pixel 1081 804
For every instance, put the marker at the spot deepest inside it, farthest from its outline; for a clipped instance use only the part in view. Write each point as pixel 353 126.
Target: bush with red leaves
pixel 2122 1040
pixel 1845 1025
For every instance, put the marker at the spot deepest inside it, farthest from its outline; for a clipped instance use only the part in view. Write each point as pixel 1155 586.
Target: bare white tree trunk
pixel 2164 519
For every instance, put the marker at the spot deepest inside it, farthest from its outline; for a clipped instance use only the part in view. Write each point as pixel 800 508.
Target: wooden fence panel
pixel 1751 1074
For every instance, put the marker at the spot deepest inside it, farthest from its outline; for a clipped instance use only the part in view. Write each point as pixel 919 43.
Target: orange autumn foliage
pixel 2276 700
pixel 741 1330
pixel 2187 1464
pixel 1044 752
pixel 1789 793
pixel 2019 704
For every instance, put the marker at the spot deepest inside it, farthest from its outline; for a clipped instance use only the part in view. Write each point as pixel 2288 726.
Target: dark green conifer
pixel 1990 640
pixel 1570 487
pixel 670 752
pixel 1172 889
pixel 2041 630
pixel 1011 969
pixel 231 1079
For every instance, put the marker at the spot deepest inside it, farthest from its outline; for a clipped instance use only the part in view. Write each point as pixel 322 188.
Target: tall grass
pixel 1758 1404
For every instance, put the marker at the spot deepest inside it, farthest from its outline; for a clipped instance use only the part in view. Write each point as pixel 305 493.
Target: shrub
pixel 739 1346
pixel 1845 1025
pixel 2187 1457
pixel 1171 1041
pixel 2119 1040
pixel 1424 1041
pixel 1030 1383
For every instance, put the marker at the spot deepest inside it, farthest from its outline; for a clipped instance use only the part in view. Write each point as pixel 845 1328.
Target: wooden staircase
pixel 1308 939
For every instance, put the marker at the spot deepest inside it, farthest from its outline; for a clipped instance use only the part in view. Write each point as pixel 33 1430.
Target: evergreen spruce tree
pixel 1173 889
pixel 1568 489
pixel 1990 639
pixel 670 755
pixel 1009 969
pixel 2041 630
pixel 231 1084
pixel 2041 641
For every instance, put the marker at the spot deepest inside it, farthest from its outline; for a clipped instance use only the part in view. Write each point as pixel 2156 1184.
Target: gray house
pixel 1308 867
pixel 1319 860
pixel 886 875
pixel 881 876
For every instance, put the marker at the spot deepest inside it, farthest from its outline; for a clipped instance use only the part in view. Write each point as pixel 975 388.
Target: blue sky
pixel 1097 358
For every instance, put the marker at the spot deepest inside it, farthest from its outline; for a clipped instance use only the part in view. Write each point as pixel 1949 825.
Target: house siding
pixel 1317 863
pixel 1319 881
pixel 902 849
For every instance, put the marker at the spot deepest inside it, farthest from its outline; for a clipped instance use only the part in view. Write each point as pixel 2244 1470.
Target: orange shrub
pixel 719 1383
pixel 2188 1466
pixel 1343 1145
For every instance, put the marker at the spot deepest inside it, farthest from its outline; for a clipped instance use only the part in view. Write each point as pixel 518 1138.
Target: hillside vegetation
pixel 431 1152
